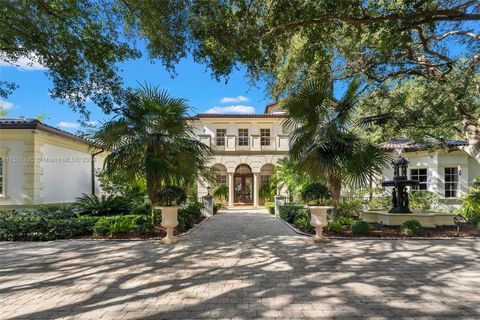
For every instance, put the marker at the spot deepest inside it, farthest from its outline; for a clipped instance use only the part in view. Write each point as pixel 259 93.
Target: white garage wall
pixel 66 174
pixel 14 175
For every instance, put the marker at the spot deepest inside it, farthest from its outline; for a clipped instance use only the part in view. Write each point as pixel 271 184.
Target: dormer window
pixel 243 137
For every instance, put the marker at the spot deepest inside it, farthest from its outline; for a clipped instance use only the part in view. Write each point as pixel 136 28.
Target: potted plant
pixel 221 193
pixel 317 198
pixel 169 200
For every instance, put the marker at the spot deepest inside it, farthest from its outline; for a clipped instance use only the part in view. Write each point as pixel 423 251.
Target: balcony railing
pixel 255 143
pixel 267 144
pixel 218 144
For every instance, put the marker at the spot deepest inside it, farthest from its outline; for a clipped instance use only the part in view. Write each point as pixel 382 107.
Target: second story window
pixel 221 137
pixel 265 137
pixel 243 137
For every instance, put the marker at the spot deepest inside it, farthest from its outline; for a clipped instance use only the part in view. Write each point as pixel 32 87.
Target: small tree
pixel 221 192
pixel 316 194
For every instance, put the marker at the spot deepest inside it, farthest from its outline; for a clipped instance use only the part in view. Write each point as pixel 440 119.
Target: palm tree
pixel 286 175
pixel 151 138
pixel 324 140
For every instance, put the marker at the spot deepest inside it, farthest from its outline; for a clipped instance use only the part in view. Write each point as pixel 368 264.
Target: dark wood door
pixel 243 184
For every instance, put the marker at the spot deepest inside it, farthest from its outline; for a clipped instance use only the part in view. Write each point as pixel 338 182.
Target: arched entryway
pixel 243 185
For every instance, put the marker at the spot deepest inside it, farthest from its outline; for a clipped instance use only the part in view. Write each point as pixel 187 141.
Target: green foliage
pixel 351 208
pixel 56 211
pixel 315 193
pixel 189 216
pixel 79 43
pixel 333 227
pixel 423 200
pixel 344 220
pixel 476 183
pixel 270 206
pixel 216 207
pixel 303 221
pixel 266 193
pixel 35 227
pixel 160 148
pixel 93 205
pixel 411 228
pixel 360 227
pixel 470 209
pixel 289 212
pixel 287 175
pixel 221 192
pixel 120 224
pixel 170 196
pixel 118 184
pixel 324 139
pixel 379 204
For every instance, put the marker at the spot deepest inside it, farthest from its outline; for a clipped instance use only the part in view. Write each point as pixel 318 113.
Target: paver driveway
pixel 240 265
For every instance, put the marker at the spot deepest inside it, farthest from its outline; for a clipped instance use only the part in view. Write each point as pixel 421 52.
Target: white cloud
pixel 232 109
pixel 68 125
pixel 5 105
pixel 26 63
pixel 236 99
pixel 92 123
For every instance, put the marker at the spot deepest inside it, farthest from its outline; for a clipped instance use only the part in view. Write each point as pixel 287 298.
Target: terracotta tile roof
pixel 411 145
pixel 242 115
pixel 34 124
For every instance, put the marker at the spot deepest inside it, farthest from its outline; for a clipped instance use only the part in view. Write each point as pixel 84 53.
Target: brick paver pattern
pixel 239 265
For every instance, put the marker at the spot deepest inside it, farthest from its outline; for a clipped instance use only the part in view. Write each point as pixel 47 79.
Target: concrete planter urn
pixel 169 222
pixel 319 220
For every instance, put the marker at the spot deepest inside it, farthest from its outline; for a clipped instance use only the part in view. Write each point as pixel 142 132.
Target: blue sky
pixel 192 82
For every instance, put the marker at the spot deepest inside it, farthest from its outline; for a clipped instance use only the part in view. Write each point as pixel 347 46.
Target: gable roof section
pixel 34 124
pixel 411 145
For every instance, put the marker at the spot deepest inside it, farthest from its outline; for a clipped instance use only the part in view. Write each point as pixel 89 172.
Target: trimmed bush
pixel 125 223
pixel 411 228
pixel 270 207
pixel 360 227
pixel 289 212
pixel 351 208
pixel 423 200
pixel 189 216
pixel 315 193
pixel 34 227
pixel 379 204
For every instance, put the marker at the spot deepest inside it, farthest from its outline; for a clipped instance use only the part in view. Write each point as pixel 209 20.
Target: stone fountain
pixel 400 183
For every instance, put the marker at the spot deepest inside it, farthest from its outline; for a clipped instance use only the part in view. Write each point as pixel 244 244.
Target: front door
pixel 243 189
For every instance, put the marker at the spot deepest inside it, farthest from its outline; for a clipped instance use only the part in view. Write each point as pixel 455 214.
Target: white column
pixel 256 189
pixel 230 189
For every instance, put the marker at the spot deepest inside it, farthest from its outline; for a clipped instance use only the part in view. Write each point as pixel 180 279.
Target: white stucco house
pixel 40 164
pixel 246 148
pixel 449 173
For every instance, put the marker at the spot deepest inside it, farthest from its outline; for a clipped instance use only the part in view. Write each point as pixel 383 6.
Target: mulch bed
pixel 467 230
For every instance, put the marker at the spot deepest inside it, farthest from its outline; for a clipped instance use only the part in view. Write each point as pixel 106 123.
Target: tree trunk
pixel 335 186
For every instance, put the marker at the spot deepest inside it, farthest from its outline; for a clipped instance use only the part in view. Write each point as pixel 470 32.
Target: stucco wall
pixel 14 171
pixel 66 174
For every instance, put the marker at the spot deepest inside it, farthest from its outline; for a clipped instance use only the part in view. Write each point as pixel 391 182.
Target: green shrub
pixel 360 227
pixel 142 209
pixel 170 196
pixel 216 207
pixel 93 205
pixel 333 226
pixel 57 211
pixel 345 220
pixel 126 223
pixel 423 200
pixel 221 192
pixel 289 212
pixel 470 209
pixel 303 221
pixel 270 207
pixel 351 208
pixel 411 228
pixel 34 227
pixel 189 216
pixel 315 193
pixel 379 204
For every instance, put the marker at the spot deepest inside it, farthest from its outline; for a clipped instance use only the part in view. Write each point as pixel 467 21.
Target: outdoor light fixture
pixel 459 170
pixel 457 219
pixel 208 190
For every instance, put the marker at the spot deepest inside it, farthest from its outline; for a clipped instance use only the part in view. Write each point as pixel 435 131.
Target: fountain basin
pixel 427 219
